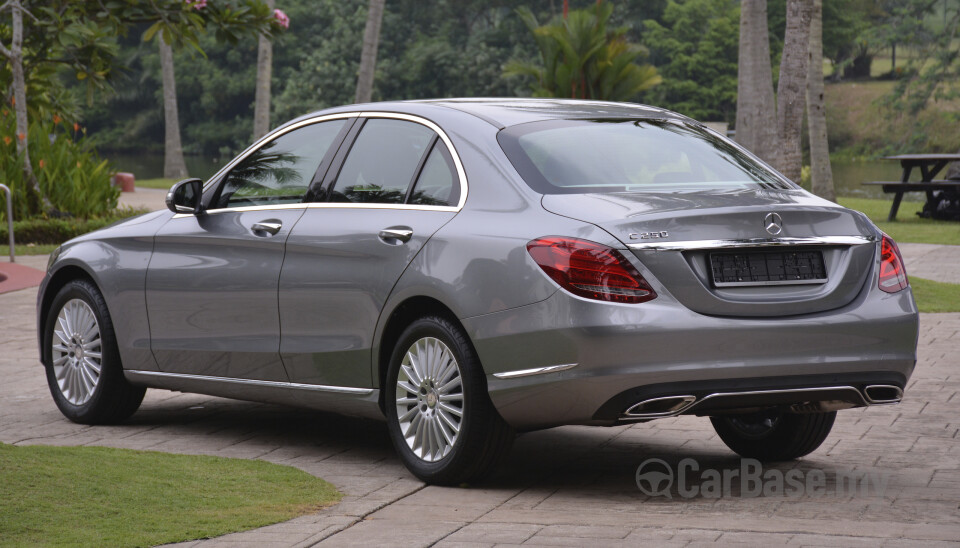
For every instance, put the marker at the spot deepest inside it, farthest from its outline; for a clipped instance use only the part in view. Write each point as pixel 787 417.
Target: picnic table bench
pixel 930 165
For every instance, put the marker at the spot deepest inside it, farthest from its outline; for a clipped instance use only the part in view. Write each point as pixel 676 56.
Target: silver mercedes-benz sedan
pixel 469 268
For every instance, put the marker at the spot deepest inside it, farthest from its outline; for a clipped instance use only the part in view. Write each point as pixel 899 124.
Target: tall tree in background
pixel 756 110
pixel 791 87
pixel 821 175
pixel 368 56
pixel 261 101
pixel 14 55
pixel 174 166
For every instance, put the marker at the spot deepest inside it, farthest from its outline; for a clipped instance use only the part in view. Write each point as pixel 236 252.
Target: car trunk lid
pixel 693 242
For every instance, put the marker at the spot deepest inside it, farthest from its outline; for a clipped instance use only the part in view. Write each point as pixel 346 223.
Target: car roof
pixel 505 112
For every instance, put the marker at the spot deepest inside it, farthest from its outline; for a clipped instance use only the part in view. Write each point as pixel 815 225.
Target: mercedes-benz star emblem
pixel 773 223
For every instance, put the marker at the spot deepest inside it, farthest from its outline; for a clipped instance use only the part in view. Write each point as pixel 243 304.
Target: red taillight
pixel 590 270
pixel 893 276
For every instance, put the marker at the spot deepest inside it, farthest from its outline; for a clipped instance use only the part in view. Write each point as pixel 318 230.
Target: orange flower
pixel 6 112
pixel 76 126
pixel 78 164
pixel 13 100
pixel 21 136
pixel 7 140
pixel 41 163
pixel 56 119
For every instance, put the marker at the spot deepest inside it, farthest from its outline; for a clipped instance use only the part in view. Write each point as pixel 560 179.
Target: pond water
pixel 150 166
pixel 847 175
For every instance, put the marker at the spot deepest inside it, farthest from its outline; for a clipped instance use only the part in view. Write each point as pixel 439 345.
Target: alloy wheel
pixel 76 351
pixel 429 399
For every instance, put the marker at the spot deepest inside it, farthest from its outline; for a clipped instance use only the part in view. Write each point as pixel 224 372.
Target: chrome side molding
pixel 252 382
pixel 535 371
pixel 688 245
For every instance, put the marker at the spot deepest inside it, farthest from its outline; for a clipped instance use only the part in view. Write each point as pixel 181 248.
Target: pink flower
pixel 197 4
pixel 281 18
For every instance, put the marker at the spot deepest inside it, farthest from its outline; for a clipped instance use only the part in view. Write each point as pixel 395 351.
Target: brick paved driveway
pixel 565 486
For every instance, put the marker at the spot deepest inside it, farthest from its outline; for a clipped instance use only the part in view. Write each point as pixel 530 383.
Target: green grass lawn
pixel 164 184
pixel 98 496
pixel 27 249
pixel 934 296
pixel 908 227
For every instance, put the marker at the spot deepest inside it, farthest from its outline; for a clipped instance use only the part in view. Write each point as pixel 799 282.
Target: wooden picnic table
pixel 930 165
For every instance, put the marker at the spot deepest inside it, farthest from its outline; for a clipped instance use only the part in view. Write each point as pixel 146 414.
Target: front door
pixel 213 278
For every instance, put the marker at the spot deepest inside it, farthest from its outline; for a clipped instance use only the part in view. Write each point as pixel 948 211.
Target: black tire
pixel 483 439
pixel 773 436
pixel 112 399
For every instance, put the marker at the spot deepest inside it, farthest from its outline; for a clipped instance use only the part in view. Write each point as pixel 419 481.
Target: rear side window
pixel 281 170
pixel 382 162
pixel 591 156
pixel 438 184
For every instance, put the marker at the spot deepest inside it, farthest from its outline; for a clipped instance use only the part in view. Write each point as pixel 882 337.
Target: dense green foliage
pixel 56 231
pixel 695 48
pixel 581 57
pixel 100 496
pixel 69 170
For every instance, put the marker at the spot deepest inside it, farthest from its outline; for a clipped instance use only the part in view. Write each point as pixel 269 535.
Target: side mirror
pixel 184 197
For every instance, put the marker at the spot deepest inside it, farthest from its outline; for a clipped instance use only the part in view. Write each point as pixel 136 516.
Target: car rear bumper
pixel 567 360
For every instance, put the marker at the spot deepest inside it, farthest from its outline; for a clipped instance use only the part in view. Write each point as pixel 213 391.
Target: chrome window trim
pixel 254 382
pixel 535 371
pixel 461 174
pixel 751 242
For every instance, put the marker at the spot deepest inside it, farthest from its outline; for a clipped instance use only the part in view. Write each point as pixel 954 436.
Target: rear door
pixel 211 286
pixel 396 185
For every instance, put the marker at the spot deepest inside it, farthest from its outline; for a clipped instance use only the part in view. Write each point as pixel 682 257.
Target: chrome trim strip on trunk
pixel 535 371
pixel 254 382
pixel 751 242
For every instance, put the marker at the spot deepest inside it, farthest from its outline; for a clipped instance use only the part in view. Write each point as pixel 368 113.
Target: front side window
pixel 382 162
pixel 590 156
pixel 279 172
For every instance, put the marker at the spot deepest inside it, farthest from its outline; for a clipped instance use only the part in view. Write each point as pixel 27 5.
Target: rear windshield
pixel 590 156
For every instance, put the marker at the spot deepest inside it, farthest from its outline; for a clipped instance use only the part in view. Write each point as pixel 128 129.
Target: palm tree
pixel 581 58
pixel 261 102
pixel 756 110
pixel 174 166
pixel 821 176
pixel 791 87
pixel 368 55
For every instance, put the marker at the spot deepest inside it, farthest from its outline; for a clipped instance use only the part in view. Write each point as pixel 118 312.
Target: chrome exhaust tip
pixel 879 394
pixel 659 407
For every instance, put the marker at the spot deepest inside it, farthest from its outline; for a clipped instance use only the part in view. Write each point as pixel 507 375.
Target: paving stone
pixel 571 485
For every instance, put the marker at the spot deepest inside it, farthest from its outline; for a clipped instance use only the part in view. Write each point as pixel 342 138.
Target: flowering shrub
pixel 68 169
pixel 282 19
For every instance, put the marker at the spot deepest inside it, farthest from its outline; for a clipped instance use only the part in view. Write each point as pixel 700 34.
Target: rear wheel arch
pixel 408 311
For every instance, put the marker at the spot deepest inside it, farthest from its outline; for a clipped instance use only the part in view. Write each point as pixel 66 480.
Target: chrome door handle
pixel 396 233
pixel 266 226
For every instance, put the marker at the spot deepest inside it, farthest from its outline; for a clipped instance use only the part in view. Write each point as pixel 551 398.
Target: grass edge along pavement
pixel 144 498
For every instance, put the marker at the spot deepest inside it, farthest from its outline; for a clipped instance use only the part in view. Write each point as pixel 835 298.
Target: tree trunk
pixel 756 111
pixel 821 175
pixel 790 89
pixel 368 56
pixel 173 165
pixel 15 56
pixel 261 105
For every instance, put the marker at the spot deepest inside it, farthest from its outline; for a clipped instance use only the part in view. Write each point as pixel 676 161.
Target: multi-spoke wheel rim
pixel 429 399
pixel 76 351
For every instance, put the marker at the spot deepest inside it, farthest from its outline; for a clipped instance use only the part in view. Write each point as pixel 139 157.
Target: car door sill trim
pixel 254 382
